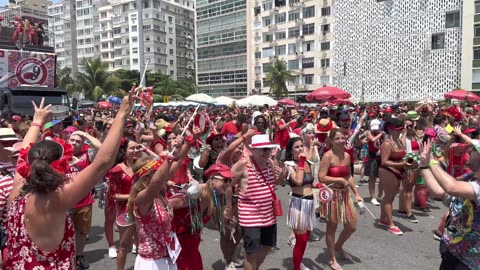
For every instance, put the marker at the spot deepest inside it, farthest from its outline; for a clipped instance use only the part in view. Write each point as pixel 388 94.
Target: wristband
pixel 33 124
pixel 301 162
pixel 424 168
pixel 433 163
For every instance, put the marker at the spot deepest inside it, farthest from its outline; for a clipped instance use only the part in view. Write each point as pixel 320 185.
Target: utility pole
pixel 73 35
pixel 141 49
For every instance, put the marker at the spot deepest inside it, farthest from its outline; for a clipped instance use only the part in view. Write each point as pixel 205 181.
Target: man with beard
pixel 459 248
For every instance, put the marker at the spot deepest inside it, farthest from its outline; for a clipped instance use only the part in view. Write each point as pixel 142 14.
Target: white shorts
pixel 160 264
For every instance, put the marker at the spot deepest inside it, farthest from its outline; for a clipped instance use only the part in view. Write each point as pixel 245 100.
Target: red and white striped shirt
pixel 6 185
pixel 255 207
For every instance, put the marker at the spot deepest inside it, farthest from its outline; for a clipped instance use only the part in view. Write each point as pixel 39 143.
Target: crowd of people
pixel 162 175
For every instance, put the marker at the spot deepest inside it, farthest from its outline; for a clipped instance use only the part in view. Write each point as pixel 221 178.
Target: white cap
pixel 375 124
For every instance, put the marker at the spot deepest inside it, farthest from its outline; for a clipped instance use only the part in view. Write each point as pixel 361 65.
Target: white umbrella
pixel 243 102
pixel 224 100
pixel 259 100
pixel 201 98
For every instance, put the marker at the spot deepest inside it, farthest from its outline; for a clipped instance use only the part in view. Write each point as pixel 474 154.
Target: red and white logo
pixel 31 71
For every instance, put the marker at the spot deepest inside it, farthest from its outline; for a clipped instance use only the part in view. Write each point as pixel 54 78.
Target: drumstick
pixel 185 128
pixel 141 82
pixel 370 212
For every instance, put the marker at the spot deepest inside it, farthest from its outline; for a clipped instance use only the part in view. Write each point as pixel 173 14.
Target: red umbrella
pixel 327 93
pixel 105 105
pixel 342 102
pixel 286 101
pixel 461 94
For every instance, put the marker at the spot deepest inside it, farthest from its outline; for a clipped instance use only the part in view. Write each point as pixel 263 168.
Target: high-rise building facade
pixel 397 49
pixel 298 32
pixel 471 46
pixel 222 47
pixel 110 30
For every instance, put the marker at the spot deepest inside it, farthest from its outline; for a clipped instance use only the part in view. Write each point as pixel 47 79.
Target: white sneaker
pixel 112 252
pixel 375 202
pixel 231 266
pixel 303 267
pixel 134 249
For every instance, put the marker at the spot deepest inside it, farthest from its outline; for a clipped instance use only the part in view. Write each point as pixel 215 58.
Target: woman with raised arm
pixel 40 233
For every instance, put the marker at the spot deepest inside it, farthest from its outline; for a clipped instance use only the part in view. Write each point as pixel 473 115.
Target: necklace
pixel 165 206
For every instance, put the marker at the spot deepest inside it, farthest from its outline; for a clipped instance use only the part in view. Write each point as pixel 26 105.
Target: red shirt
pixel 230 128
pixel 282 136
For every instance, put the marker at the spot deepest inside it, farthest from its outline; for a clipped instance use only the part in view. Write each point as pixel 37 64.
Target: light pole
pixel 141 49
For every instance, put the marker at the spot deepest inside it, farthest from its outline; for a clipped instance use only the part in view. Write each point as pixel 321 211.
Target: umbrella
pixel 104 105
pixel 201 98
pixel 327 93
pixel 114 100
pixel 224 100
pixel 259 100
pixel 287 101
pixel 461 94
pixel 342 102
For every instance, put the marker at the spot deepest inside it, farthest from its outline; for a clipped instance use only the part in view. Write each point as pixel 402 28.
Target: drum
pixel 196 166
pixel 202 122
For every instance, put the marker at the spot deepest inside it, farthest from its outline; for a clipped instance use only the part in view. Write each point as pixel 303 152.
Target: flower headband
pixel 61 165
pixel 151 166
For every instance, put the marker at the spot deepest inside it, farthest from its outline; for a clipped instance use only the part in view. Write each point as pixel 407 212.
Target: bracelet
pixel 433 163
pixel 33 124
pixel 424 168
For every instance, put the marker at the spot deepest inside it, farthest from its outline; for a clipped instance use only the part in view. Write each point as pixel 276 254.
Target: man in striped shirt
pixel 257 177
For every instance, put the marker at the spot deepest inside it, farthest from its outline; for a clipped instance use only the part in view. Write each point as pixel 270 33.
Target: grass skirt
pixel 340 209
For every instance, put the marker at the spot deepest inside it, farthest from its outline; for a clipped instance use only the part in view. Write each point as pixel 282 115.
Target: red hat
pixel 212 135
pixel 16 118
pixel 468 130
pixel 454 112
pixel 324 126
pixel 221 169
pixel 389 109
pixel 476 107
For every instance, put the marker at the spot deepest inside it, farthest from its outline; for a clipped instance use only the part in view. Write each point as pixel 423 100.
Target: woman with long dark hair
pixel 40 233
pixel 335 172
pixel 391 171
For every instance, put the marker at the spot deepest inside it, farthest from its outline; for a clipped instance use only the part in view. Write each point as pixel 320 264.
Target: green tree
pixel 127 78
pixel 95 80
pixel 277 77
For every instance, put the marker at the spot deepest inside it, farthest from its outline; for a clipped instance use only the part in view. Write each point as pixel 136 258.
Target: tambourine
pixel 202 122
pixel 325 195
pixel 59 111
pixel 412 160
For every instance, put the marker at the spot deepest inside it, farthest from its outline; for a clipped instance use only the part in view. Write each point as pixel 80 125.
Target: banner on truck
pixel 26 68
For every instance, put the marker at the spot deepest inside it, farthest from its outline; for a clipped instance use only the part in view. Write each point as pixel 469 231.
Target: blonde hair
pixel 140 185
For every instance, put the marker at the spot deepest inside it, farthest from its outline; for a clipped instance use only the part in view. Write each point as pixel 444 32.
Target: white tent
pixel 201 98
pixel 257 100
pixel 224 100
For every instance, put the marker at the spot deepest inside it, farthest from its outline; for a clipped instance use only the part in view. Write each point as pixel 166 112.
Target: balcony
pixel 273 43
pixel 272 27
pixel 299 22
pixel 301 87
pixel 273 11
pixel 299 54
pixel 300 38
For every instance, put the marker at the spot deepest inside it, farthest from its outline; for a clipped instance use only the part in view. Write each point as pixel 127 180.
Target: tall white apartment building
pixel 168 33
pixel 298 32
pixel 388 50
pixel 222 47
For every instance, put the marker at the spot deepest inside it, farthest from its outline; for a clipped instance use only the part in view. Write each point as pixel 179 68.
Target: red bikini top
pixel 397 156
pixel 339 171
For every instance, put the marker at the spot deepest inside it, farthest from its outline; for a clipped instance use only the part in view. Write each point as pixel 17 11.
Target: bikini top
pixel 307 178
pixel 397 156
pixel 339 171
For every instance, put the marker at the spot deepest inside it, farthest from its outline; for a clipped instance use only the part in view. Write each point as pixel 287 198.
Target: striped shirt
pixel 6 185
pixel 255 207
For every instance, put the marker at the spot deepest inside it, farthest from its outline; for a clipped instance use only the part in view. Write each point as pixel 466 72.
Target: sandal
pixel 291 241
pixel 335 265
pixel 344 255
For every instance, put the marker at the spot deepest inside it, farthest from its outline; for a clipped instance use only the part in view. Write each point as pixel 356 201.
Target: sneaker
pixel 426 210
pixel 313 237
pixel 238 262
pixel 402 213
pixel 437 236
pixel 134 249
pixel 395 230
pixel 412 218
pixel 363 181
pixel 382 223
pixel 82 263
pixel 303 267
pixel 375 202
pixel 231 266
pixel 112 252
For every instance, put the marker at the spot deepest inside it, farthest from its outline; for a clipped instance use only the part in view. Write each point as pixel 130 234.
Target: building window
pixel 268 37
pixel 325 46
pixel 292 64
pixel 170 41
pixel 172 73
pixel 256 11
pixel 134 28
pixel 258 84
pixel 326 11
pixel 292 16
pixel 280 50
pixel 308 46
pixel 134 39
pixel 135 61
pixel 281 18
pixel 477 30
pixel 438 41
pixel 258 55
pixel 308 79
pixel 476 76
pixel 134 50
pixel 308 62
pixel 171 62
pixel 171 51
pixel 325 63
pixel 325 80
pixel 476 54
pixel 267 52
pixel 267 21
pixel 267 6
pixel 477 7
pixel 308 29
pixel 292 48
pixel 280 35
pixel 309 12
pixel 325 28
pixel 452 19
pixel 293 32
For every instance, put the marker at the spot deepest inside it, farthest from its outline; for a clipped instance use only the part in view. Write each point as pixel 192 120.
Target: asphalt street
pixel 371 247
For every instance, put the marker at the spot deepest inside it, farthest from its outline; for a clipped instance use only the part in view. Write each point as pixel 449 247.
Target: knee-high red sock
pixel 299 249
pixel 442 224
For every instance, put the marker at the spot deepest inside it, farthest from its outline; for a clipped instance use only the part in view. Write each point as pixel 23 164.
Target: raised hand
pixel 42 114
pixel 425 153
pixel 457 130
pixel 129 100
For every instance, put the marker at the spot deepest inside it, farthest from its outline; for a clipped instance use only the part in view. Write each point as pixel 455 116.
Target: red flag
pixel 146 97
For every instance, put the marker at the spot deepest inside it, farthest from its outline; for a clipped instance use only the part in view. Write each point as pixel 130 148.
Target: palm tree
pixel 64 77
pixel 95 80
pixel 277 77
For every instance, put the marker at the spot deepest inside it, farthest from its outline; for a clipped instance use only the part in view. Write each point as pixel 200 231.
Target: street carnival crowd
pixel 162 175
